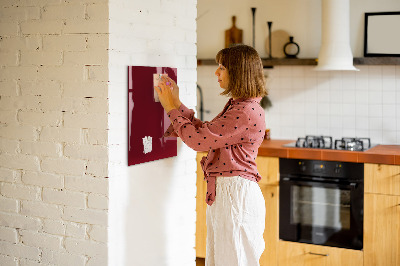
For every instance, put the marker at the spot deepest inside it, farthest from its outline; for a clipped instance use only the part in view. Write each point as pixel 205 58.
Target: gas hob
pixel 327 142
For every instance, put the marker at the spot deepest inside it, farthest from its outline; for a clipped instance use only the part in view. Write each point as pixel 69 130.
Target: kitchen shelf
pixel 269 63
pixel 377 61
pixel 289 62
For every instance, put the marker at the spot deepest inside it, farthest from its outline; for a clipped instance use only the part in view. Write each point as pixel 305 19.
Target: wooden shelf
pixel 377 61
pixel 289 62
pixel 269 63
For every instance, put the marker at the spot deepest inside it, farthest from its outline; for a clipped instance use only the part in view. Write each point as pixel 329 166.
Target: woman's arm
pixel 186 112
pixel 172 95
pixel 232 128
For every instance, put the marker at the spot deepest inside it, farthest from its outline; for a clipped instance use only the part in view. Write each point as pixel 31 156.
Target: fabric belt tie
pixel 210 196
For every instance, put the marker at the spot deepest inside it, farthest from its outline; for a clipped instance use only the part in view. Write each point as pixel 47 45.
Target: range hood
pixel 335 52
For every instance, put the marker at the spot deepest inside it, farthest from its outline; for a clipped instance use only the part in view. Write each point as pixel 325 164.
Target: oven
pixel 321 202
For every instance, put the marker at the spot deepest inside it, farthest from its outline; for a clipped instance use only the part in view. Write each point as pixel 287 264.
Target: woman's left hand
pixel 165 96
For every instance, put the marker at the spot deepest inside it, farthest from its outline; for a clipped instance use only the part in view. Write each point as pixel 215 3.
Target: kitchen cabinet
pixel 381 221
pixel 201 205
pixel 300 254
pixel 382 179
pixel 269 170
pixel 382 215
pixel 271 232
pixel 381 230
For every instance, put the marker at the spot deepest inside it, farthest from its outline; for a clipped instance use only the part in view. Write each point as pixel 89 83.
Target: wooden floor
pixel 200 262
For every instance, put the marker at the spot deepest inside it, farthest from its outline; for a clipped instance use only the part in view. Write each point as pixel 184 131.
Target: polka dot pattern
pixel 232 139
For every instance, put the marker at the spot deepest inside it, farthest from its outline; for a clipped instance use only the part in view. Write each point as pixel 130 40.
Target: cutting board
pixel 233 35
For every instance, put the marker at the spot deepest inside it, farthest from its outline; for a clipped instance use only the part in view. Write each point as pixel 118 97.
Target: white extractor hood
pixel 335 52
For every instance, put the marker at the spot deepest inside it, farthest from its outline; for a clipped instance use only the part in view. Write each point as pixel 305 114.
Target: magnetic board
pixel 147 120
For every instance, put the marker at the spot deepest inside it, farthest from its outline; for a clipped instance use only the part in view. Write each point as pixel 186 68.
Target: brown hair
pixel 245 69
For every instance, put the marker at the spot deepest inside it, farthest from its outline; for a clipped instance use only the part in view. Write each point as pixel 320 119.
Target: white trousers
pixel 235 223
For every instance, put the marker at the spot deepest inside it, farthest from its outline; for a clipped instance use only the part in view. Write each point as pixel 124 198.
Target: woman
pixel 236 211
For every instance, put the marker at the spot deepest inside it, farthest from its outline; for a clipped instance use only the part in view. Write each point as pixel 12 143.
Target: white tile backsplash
pixel 348 132
pixel 389 111
pixel 376 136
pixel 388 72
pixel 375 123
pixel 323 95
pixel 336 109
pixel 349 96
pixel 389 97
pixel 336 96
pixel 375 83
pixel 362 123
pixel 389 83
pixel 336 122
pixel 363 103
pixel 362 78
pixel 362 97
pixel 362 110
pixel 348 109
pixel 375 97
pixel 388 124
pixel 310 108
pixel 375 110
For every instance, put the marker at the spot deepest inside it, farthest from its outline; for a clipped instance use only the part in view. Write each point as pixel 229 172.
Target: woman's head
pixel 245 72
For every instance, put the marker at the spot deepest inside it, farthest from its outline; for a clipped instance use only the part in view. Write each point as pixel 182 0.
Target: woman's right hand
pixel 175 91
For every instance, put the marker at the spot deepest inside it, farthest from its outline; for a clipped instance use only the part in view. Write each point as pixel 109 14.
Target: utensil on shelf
pixel 253 10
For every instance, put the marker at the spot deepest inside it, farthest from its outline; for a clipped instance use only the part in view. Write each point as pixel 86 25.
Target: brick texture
pixel 63 79
pixel 53 119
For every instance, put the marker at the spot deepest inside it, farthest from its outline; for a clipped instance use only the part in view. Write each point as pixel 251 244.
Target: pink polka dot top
pixel 232 139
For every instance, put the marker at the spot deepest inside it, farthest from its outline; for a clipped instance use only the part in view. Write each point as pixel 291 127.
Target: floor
pixel 200 262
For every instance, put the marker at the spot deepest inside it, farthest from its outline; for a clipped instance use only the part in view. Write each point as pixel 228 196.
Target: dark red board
pixel 147 117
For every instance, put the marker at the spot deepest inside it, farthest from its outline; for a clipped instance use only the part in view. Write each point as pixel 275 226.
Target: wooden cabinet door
pixel 381 230
pixel 299 254
pixel 382 179
pixel 271 232
pixel 201 205
pixel 268 168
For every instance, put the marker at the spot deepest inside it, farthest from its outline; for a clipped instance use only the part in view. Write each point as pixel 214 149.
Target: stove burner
pixel 353 144
pixel 324 142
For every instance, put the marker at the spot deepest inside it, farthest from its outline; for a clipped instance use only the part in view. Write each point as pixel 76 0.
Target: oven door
pixel 321 212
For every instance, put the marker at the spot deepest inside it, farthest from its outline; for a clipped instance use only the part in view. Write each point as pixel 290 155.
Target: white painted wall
pixel 341 104
pixel 301 19
pixel 152 205
pixel 53 133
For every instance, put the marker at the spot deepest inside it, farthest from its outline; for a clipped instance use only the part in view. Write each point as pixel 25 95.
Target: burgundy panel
pixel 147 118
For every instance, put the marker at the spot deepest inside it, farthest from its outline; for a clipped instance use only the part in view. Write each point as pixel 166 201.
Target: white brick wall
pixel 60 138
pixel 152 205
pixel 53 132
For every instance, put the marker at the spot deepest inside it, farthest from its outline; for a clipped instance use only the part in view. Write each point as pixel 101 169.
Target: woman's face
pixel 223 76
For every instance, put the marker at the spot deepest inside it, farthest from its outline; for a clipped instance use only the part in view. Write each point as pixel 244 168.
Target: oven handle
pixel 310 182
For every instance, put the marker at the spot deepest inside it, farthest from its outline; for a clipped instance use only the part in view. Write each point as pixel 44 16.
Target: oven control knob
pixel 338 168
pixel 302 166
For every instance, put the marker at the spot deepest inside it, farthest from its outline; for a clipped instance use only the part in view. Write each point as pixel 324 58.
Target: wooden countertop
pixel 380 154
